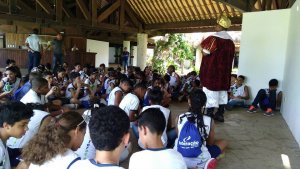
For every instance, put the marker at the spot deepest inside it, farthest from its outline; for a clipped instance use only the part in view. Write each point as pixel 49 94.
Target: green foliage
pixel 172 50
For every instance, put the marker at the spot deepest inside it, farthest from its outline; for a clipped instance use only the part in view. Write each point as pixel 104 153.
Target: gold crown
pixel 224 21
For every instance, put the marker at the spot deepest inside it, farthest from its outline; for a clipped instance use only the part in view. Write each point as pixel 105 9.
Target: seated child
pixel 239 94
pixel 37 93
pixel 155 96
pixel 268 99
pixel 109 131
pixel 77 91
pixel 151 126
pixel 53 145
pixel 9 84
pixel 131 102
pixel 14 118
pixel 40 118
pixel 116 94
pixel 26 87
pixel 202 146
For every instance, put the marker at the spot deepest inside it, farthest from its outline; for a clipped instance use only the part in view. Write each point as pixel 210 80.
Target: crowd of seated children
pixel 268 99
pixel 238 94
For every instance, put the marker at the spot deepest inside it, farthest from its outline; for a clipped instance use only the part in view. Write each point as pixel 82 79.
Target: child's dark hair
pixel 47 73
pixel 74 75
pixel 13 69
pixel 155 95
pixel 154 119
pixel 197 83
pixel 60 69
pixel 34 75
pixel 273 82
pixel 167 78
pixel 197 100
pixel 10 61
pixel 52 139
pixel 36 106
pixel 107 127
pixel 13 112
pixel 38 82
pixel 242 77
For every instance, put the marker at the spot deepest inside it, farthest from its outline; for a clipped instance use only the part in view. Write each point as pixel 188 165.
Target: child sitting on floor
pixel 268 99
pixel 109 131
pixel 152 124
pixel 14 118
pixel 201 146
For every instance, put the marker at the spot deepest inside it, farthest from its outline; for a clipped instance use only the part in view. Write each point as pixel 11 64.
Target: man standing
pixel 35 48
pixel 58 52
pixel 125 56
pixel 215 70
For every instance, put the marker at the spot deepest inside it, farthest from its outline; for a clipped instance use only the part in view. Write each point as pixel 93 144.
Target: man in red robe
pixel 215 70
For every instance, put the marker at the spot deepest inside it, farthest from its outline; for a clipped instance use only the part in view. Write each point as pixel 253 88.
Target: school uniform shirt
pixel 130 103
pixel 166 112
pixel 12 87
pixel 32 97
pixel 91 164
pixel 33 127
pixel 61 161
pixel 112 96
pixel 205 155
pixel 157 159
pixel 82 94
pixel 92 85
pixel 4 158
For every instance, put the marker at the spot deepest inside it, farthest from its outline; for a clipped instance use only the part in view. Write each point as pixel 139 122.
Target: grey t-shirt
pixel 57 46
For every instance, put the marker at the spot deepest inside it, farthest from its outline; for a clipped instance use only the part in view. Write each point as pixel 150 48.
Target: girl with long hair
pixel 209 147
pixel 10 83
pixel 54 144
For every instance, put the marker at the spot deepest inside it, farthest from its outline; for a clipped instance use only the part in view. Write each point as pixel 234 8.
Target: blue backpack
pixel 189 141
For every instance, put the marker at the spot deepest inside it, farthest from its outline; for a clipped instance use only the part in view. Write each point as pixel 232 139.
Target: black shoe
pixel 219 118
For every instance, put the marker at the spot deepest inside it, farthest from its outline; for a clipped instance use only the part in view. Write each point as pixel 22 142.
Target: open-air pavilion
pixel 269 48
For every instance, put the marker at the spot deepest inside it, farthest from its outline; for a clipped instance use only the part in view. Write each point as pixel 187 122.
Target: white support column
pixel 134 54
pixel 198 58
pixel 142 49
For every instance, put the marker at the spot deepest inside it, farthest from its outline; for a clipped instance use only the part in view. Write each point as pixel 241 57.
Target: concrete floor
pixel 255 141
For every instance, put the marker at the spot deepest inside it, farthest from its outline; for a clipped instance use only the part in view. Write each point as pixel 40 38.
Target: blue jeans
pixel 125 62
pixel 236 103
pixel 34 60
pixel 56 60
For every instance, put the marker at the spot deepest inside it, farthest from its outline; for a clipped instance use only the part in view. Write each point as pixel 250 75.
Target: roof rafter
pixel 109 11
pixel 242 6
pixel 83 9
pixel 46 6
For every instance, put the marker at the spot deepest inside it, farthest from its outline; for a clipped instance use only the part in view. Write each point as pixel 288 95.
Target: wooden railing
pixel 21 57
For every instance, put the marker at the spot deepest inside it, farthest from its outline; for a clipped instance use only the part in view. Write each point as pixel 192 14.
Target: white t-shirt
pixel 32 97
pixel 91 164
pixel 157 159
pixel 130 103
pixel 87 149
pixel 34 42
pixel 111 97
pixel 92 85
pixel 166 112
pixel 58 162
pixel 4 158
pixel 33 127
pixel 205 155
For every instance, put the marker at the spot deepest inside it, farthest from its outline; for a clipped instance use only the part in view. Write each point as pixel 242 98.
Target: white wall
pixel 263 47
pixel 134 54
pixel 291 81
pixel 112 52
pixel 102 50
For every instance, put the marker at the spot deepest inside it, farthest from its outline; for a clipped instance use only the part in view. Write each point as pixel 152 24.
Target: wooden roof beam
pixel 83 9
pixel 26 8
pixel 109 11
pixel 132 16
pixel 189 24
pixel 242 6
pixel 46 6
pixel 203 29
pixel 59 10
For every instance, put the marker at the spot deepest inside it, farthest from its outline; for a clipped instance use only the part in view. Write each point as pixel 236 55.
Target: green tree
pixel 173 49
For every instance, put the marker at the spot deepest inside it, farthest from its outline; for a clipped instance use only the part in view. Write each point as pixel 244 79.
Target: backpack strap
pixel 76 159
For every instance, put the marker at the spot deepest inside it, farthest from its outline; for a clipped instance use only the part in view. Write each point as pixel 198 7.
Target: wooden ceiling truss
pixel 119 19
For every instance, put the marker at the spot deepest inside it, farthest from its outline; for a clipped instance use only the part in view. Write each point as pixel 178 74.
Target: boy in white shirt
pixel 109 130
pixel 14 118
pixel 37 93
pixel 131 102
pixel 151 126
pixel 116 94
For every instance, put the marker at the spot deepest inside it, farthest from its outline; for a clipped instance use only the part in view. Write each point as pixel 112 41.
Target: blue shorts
pixel 214 150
